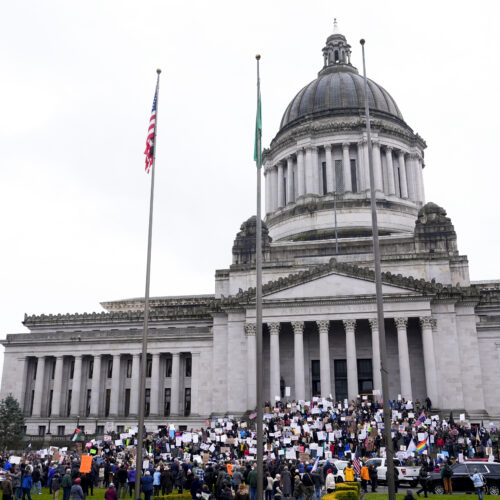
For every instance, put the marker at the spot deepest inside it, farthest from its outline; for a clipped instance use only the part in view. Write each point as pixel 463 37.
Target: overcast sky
pixel 76 91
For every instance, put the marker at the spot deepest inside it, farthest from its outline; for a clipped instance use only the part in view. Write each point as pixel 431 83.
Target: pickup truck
pixel 407 474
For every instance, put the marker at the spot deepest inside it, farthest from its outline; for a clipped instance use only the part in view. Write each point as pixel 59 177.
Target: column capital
pixel 401 322
pixel 323 325
pixel 376 143
pixel 290 158
pixel 78 356
pixel 250 329
pixel 401 153
pixel 274 328
pixel 389 149
pixel 426 321
pixel 373 323
pixel 136 355
pixel 328 147
pixel 434 324
pixel 155 354
pixel 361 142
pixel 349 325
pixel 346 145
pixel 280 164
pixel 176 354
pixel 298 327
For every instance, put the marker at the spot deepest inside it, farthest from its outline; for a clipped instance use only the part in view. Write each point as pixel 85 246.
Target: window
pixel 365 376
pixel 166 404
pixel 61 430
pixel 51 395
pixel 284 191
pixel 68 403
pixel 397 181
pixel 340 369
pixel 108 399
pixel 53 370
pixel 323 174
pixel 460 469
pixel 71 368
pixel 168 367
pixel 100 429
pixel 82 428
pixel 32 400
pixel 127 402
pixel 120 429
pixel 129 368
pixel 110 368
pixel 147 402
pixel 354 177
pixel 188 366
pixel 187 402
pixel 91 368
pixel 41 430
pixel 315 377
pixel 87 402
pixel 339 177
pixel 149 367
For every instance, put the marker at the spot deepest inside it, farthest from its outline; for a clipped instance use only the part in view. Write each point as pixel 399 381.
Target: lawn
pixel 99 495
pixel 455 496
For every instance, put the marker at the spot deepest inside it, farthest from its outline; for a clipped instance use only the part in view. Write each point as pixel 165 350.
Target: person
pixel 76 491
pixel 131 481
pixel 286 482
pixel 318 481
pixel 55 485
pixel 277 493
pixel 446 475
pixel 147 485
pixel 227 492
pixel 121 481
pixel 349 473
pixel 396 479
pixel 299 489
pixel 15 476
pixel 409 495
pixel 196 487
pixel 308 483
pixel 478 480
pixel 27 483
pixel 66 484
pixel 36 477
pixel 422 479
pixel 156 482
pixel 372 471
pixel 365 477
pixel 7 490
pixel 330 481
pixel 252 482
pixel 111 493
pixel 268 491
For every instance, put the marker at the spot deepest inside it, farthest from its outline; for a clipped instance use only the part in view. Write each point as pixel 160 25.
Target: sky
pixel 76 92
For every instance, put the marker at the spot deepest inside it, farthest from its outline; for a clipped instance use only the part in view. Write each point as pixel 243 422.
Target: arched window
pixel 336 56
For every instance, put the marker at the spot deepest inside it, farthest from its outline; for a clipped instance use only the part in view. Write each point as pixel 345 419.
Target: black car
pixel 461 480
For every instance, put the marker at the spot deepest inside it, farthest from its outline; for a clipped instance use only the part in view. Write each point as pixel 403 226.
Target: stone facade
pixel 320 334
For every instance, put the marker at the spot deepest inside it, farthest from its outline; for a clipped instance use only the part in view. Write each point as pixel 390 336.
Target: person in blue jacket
pixel 147 485
pixel 27 483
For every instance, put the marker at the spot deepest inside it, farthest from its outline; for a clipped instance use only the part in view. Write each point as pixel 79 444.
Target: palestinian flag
pixel 76 435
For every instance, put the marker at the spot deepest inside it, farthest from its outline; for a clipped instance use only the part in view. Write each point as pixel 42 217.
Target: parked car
pixel 407 473
pixel 461 481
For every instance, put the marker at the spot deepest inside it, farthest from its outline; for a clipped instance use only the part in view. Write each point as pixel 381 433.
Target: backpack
pixel 307 480
pixel 447 471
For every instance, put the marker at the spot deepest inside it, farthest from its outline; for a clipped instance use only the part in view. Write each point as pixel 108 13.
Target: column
pixel 366 163
pixel 281 185
pixel 195 380
pixel 39 385
pixel 346 168
pixel 377 166
pixel 402 173
pixel 274 188
pixel 427 323
pixel 267 180
pixel 77 383
pixel 390 171
pixel 420 180
pixel 301 181
pixel 352 361
pixel 404 358
pixel 274 368
pixel 135 384
pixel 155 384
pixel 324 359
pixel 315 170
pixel 115 386
pixel 377 376
pixel 308 170
pixel 298 360
pixel 174 391
pixel 250 329
pixel 57 388
pixel 290 195
pixel 362 168
pixel 96 387
pixel 410 176
pixel 329 168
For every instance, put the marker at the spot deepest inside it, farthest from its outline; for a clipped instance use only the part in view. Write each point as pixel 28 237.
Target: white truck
pixel 408 474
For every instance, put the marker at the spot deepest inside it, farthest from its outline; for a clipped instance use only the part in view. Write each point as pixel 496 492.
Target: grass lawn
pixel 99 495
pixel 455 496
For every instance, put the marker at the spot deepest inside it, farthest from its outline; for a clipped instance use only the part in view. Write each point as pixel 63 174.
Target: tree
pixel 11 424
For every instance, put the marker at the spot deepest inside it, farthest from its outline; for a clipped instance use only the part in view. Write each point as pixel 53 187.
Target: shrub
pixel 182 496
pixel 328 496
pixel 354 484
pixel 345 487
pixel 346 495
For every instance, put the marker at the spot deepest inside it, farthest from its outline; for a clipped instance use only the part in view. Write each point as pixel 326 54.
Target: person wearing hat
pixel 409 495
pixel 478 480
pixel 111 493
pixel 76 490
pixel 330 481
pixel 66 484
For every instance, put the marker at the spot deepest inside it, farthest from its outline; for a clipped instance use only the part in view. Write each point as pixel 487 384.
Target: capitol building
pixel 320 334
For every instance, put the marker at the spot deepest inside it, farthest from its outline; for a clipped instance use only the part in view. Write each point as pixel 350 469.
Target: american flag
pixel 151 132
pixel 355 462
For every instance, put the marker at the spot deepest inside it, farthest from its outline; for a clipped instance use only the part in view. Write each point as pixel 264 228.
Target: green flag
pixel 258 131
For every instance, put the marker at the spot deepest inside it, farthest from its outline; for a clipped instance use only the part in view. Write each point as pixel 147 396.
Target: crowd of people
pixel 303 440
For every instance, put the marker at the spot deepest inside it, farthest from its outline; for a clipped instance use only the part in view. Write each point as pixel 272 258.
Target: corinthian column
pixel 301 181
pixel 175 383
pixel 289 180
pixel 298 359
pixel 39 385
pixel 352 360
pixel 274 368
pixel 251 365
pixel 96 386
pixel 58 375
pixel 309 171
pixel 427 323
pixel 324 358
pixel 391 188
pixel 77 383
pixel 155 384
pixel 115 386
pixel 315 170
pixel 402 173
pixel 329 168
pixel 377 376
pixel 281 186
pixel 377 167
pixel 404 358
pixel 346 164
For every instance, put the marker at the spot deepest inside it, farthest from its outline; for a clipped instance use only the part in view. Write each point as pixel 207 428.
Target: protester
pixel 330 482
pixel 55 485
pixel 478 480
pixel 66 484
pixel 446 475
pixel 409 495
pixel 365 477
pixel 422 479
pixel 76 491
pixel 111 493
pixel 147 485
pixel 7 490
pixel 27 483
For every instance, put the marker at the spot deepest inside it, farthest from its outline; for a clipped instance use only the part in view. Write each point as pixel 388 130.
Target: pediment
pixel 335 285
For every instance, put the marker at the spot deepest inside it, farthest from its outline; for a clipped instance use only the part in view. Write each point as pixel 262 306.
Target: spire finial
pixel 335 26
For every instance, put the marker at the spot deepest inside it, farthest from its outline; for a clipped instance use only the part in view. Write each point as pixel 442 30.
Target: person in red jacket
pixel 111 493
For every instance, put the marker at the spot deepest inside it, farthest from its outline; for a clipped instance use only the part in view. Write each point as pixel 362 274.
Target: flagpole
pixel 142 386
pixel 258 301
pixel 380 301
